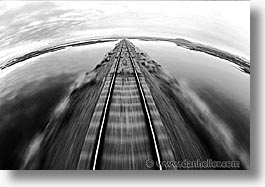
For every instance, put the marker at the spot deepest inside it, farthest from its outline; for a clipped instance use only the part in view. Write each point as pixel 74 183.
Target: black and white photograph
pixel 125 85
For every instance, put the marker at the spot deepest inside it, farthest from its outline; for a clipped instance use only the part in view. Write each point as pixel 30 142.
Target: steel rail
pixel 146 111
pixel 104 117
pixel 103 120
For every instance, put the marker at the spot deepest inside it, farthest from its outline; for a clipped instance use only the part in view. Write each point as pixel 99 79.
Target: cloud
pixel 22 23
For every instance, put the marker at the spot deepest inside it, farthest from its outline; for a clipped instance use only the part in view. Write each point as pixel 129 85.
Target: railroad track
pixel 126 131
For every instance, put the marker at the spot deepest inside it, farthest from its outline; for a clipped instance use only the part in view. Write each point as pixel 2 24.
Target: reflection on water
pixel 200 69
pixel 72 60
pixel 217 83
pixel 30 90
pixel 27 114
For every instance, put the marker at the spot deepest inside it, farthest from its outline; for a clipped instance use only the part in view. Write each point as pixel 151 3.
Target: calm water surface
pixel 30 90
pixel 200 68
pixel 217 83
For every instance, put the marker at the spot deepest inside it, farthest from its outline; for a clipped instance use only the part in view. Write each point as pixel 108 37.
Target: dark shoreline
pixel 50 49
pixel 244 65
pixel 192 132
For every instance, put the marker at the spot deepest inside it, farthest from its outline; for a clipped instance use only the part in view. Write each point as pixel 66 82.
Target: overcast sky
pixel 28 25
